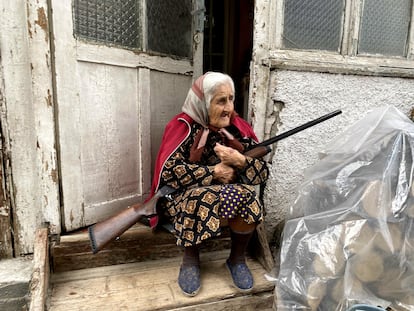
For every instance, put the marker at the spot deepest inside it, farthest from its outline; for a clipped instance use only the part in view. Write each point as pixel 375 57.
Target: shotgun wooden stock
pixel 103 232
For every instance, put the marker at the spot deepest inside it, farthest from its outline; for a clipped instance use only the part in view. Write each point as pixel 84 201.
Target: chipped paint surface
pixel 42 22
pixel 49 99
pixel 30 119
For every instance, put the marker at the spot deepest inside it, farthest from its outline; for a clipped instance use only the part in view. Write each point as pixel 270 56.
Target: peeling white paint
pixel 29 113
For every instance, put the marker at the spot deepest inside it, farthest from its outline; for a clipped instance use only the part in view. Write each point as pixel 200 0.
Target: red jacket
pixel 175 133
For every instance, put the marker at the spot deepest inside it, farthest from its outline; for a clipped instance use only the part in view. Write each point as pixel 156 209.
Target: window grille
pixel 169 26
pixel 313 24
pixel 119 22
pixel 384 27
pixel 108 21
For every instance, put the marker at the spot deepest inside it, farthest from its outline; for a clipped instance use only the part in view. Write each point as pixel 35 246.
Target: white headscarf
pixel 198 99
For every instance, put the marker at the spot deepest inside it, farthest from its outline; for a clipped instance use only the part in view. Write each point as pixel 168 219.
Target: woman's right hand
pixel 224 173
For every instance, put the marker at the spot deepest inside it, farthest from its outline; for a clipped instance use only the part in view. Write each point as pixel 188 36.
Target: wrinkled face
pixel 221 106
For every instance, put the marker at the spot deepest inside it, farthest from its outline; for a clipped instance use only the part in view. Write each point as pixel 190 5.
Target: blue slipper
pixel 189 280
pixel 241 275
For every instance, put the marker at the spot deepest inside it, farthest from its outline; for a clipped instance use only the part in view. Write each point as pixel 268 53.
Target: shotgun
pixel 101 233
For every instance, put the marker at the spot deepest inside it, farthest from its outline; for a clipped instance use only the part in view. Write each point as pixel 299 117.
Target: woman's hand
pixel 224 173
pixel 230 156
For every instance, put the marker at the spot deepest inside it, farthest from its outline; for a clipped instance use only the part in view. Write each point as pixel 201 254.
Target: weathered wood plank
pixel 6 245
pixel 261 301
pixel 40 278
pixel 87 52
pixel 137 244
pixel 149 286
pixel 21 137
pixel 46 170
pixel 261 249
pixel 340 64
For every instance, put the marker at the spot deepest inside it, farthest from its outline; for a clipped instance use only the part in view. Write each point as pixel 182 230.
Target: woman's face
pixel 221 106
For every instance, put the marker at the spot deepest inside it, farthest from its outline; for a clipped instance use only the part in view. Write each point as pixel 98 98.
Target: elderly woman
pixel 201 155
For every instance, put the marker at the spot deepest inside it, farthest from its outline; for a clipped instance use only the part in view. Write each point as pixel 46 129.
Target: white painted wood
pixel 105 97
pixel 110 139
pixel 259 74
pixel 28 113
pixel 44 110
pixel 276 21
pixel 198 36
pixel 144 88
pixel 355 18
pixel 68 115
pixel 410 52
pixel 335 63
pixel 175 90
pixel 6 238
pixel 19 118
pixel 347 20
pixel 198 42
pixel 120 57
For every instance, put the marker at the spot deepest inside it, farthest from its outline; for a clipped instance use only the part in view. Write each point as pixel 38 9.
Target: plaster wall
pixel 299 97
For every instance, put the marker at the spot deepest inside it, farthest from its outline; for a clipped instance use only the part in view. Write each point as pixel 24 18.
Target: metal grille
pixel 313 24
pixel 169 26
pixel 108 21
pixel 384 27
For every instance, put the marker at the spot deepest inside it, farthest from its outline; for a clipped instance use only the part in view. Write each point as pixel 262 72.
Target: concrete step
pixel 15 276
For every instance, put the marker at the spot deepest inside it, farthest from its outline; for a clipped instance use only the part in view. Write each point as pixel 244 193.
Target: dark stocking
pixel 239 242
pixel 191 256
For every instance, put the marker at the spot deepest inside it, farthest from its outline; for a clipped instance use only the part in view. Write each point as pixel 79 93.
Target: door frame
pixel 31 178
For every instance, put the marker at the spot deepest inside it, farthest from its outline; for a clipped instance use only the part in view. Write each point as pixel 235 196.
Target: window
pixel 155 26
pixel 374 36
pixel 385 27
pixel 313 24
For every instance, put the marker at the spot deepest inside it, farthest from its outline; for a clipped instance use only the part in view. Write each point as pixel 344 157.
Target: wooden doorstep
pixel 139 243
pixel 152 285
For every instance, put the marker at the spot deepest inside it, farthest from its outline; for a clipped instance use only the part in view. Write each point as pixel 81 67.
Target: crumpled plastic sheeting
pixel 350 236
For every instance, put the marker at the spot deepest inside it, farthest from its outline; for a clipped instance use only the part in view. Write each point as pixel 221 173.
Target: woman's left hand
pixel 230 156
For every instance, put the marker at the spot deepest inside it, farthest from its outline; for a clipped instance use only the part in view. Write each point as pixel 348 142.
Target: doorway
pixel 228 42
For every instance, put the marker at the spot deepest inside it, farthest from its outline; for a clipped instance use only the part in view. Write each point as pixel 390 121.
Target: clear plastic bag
pixel 350 236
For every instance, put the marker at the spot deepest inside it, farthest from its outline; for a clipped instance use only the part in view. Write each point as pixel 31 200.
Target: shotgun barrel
pixel 263 148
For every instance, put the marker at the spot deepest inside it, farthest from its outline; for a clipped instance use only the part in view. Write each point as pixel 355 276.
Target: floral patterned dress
pixel 196 208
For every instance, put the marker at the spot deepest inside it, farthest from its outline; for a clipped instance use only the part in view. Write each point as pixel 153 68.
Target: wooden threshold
pixel 152 285
pixel 139 243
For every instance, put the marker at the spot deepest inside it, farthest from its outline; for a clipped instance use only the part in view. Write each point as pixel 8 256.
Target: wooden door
pixel 114 95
